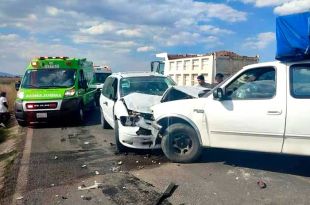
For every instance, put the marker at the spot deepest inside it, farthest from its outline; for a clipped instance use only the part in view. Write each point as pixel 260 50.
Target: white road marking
pixel 23 169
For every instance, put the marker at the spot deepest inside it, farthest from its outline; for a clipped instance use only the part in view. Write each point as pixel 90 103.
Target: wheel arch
pixel 166 121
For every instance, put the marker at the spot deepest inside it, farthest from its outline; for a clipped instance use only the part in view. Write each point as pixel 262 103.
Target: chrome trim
pixel 42 101
pixel 302 137
pixel 247 133
pixel 183 118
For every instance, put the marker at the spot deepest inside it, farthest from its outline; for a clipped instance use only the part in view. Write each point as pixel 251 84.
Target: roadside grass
pixel 3 134
pixel 11 142
pixel 8 85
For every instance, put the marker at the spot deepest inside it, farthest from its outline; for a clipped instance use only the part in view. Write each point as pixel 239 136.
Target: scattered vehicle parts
pixel 261 184
pixel 95 186
pixel 167 193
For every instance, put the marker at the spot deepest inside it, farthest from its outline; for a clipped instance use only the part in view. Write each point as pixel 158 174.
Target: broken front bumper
pixel 138 132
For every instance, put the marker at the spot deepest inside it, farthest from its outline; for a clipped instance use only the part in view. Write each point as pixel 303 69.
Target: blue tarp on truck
pixel 293 37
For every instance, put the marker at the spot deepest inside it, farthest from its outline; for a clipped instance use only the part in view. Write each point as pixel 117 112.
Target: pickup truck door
pixel 251 116
pixel 108 98
pixel 297 133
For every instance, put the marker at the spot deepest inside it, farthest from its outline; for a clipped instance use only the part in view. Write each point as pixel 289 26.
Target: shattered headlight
pixel 129 120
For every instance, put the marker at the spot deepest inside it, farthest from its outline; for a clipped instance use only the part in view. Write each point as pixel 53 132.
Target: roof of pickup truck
pixel 275 63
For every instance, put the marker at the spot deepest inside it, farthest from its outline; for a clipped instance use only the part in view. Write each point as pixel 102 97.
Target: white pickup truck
pixel 264 107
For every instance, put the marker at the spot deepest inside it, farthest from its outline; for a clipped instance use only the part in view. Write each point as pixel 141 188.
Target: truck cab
pixel 264 107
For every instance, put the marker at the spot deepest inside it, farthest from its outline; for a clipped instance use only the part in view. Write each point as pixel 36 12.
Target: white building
pixel 184 69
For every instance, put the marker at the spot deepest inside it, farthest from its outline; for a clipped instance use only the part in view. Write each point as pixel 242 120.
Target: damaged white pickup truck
pixel 264 107
pixel 125 104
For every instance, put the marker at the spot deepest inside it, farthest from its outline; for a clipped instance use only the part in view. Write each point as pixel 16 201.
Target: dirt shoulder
pixel 11 144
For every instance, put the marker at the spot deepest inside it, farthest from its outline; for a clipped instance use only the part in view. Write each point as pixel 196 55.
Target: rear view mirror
pixel 17 85
pixel 218 94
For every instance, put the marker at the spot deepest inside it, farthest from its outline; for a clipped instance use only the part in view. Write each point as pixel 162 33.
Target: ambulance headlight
pixel 20 94
pixel 70 92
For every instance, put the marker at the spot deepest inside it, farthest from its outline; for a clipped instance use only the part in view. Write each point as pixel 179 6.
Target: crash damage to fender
pixel 140 114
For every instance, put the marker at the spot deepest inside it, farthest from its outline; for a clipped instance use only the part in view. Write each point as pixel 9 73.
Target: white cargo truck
pixel 184 69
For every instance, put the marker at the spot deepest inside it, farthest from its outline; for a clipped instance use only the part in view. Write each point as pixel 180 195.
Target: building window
pixel 178 79
pixel 171 65
pixel 179 65
pixel 187 64
pixel 186 80
pixel 194 79
pixel 204 63
pixel 195 64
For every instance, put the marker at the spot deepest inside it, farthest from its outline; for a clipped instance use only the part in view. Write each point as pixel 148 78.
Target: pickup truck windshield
pixel 153 85
pixel 49 78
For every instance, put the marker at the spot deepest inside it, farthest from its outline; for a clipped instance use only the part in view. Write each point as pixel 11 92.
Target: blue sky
pixel 126 34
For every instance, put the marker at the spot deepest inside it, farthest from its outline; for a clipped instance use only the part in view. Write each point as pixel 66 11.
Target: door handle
pixel 105 103
pixel 274 112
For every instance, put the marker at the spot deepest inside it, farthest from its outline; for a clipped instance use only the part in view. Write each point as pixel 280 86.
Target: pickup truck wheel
pixel 104 123
pixel 120 148
pixel 180 143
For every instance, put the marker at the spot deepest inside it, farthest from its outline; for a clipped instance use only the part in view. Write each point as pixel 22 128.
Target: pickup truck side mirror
pixel 17 85
pixel 218 94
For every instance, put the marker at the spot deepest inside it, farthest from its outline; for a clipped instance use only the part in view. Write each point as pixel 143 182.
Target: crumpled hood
pixel 140 102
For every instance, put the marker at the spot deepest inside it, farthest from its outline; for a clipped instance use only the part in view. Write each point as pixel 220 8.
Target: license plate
pixel 42 115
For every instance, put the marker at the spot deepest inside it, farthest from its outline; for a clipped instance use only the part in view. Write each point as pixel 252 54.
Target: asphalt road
pixel 58 159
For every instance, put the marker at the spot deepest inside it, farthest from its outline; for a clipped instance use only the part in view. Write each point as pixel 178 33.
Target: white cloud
pixel 129 32
pixel 145 49
pixel 53 11
pixel 262 40
pixel 263 3
pixel 291 7
pixel 214 30
pixel 224 12
pixel 99 29
pixel 282 7
pixel 32 17
pixel 8 37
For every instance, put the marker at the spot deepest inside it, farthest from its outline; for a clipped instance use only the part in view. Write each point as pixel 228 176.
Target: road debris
pixel 19 198
pixel 261 184
pixel 86 143
pixel 115 169
pixel 87 198
pixel 167 193
pixel 120 162
pixel 84 166
pixel 95 186
pixel 96 172
pixel 237 178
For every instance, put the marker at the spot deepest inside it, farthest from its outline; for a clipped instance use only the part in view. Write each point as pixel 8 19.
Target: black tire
pixel 180 143
pixel 22 123
pixel 104 123
pixel 80 118
pixel 120 148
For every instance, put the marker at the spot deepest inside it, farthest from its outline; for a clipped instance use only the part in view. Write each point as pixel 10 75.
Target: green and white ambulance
pixel 55 88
